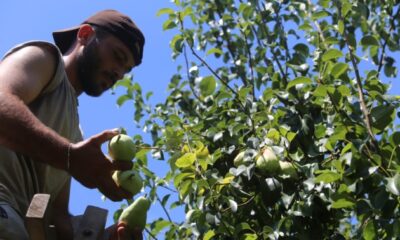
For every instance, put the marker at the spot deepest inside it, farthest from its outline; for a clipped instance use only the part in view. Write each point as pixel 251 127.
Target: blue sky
pixel 24 20
pixel 35 20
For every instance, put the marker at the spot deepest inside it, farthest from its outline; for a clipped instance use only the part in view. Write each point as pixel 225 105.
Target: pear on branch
pixel 135 215
pixel 129 180
pixel 121 147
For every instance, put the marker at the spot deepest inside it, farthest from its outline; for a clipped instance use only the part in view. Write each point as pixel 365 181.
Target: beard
pixel 87 66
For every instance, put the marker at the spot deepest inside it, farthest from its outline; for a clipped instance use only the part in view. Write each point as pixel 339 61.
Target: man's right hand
pixel 93 169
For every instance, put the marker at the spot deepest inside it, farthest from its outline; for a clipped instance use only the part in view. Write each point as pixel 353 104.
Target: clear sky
pixel 24 20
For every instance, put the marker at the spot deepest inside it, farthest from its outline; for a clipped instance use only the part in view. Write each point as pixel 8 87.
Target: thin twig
pixel 188 74
pixel 361 96
pixel 229 43
pixel 240 205
pixel 165 210
pixel 274 54
pixel 250 60
pixel 150 234
pixel 321 35
pixel 392 26
pixel 168 188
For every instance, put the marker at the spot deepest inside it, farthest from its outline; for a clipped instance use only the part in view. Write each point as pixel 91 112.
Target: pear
pixel 129 180
pixel 239 159
pixel 135 215
pixel 268 162
pixel 288 169
pixel 122 147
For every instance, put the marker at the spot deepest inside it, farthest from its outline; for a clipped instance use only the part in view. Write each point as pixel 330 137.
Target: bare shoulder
pixel 36 55
pixel 26 71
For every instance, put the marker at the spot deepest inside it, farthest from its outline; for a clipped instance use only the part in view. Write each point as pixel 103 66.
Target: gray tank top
pixel 57 107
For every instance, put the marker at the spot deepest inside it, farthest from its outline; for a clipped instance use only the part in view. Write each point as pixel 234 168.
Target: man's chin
pixel 94 93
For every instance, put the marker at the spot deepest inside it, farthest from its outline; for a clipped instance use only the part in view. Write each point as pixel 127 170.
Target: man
pixel 41 146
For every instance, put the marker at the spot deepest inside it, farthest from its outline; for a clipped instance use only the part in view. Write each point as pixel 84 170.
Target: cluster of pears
pixel 122 148
pixel 268 163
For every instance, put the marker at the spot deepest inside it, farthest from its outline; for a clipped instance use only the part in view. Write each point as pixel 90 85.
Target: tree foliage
pixel 308 80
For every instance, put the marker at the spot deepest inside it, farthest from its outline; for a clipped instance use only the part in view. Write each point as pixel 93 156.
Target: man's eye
pixel 118 57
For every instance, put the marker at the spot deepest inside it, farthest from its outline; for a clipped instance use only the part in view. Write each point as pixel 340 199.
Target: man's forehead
pixel 123 49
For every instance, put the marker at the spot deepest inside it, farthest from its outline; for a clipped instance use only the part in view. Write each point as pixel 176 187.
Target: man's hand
pixel 93 169
pixel 121 231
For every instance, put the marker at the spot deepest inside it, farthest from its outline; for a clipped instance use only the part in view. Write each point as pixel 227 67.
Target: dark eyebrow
pixel 121 53
pixel 124 58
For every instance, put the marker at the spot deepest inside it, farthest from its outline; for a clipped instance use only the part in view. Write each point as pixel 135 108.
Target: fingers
pixel 111 190
pixel 105 136
pixel 137 234
pixel 125 233
pixel 121 165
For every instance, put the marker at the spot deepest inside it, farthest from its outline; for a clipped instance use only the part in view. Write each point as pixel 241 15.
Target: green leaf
pixel 299 80
pixel 250 236
pixel 165 200
pixel 168 24
pixel 369 232
pixel 122 99
pixel 216 51
pixel 338 69
pixel 328 177
pixel 319 15
pixel 343 203
pixel 321 91
pixel 369 41
pixel 346 7
pixel 302 48
pixel 182 176
pixel 165 11
pixel 186 160
pixel 332 53
pixel 395 138
pixel 344 90
pixel 393 184
pixel 331 40
pixel 159 225
pixel 347 148
pixel 207 85
pixel 185 188
pixel 209 234
pixel 176 43
pixel 340 27
pixel 382 116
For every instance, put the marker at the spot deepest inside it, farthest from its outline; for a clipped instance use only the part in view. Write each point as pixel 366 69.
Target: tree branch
pixel 367 117
pixel 188 74
pixel 392 26
pixel 274 54
pixel 250 60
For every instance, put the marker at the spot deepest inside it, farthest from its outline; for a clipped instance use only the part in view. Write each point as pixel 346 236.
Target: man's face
pixel 101 63
pixel 88 64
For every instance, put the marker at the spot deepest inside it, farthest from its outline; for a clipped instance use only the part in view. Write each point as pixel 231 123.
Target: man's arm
pixel 23 75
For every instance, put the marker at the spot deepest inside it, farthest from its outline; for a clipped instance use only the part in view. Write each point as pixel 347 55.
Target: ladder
pixel 89 226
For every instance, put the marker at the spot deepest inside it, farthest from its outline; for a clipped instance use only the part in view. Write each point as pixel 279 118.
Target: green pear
pixel 135 215
pixel 268 162
pixel 239 159
pixel 396 180
pixel 288 169
pixel 122 147
pixel 129 180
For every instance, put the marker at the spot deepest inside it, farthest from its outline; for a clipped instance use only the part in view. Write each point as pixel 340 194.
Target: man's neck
pixel 71 70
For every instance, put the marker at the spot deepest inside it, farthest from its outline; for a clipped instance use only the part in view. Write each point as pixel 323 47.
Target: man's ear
pixel 85 34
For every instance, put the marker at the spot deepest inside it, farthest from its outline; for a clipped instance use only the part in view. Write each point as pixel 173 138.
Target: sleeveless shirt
pixel 56 107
